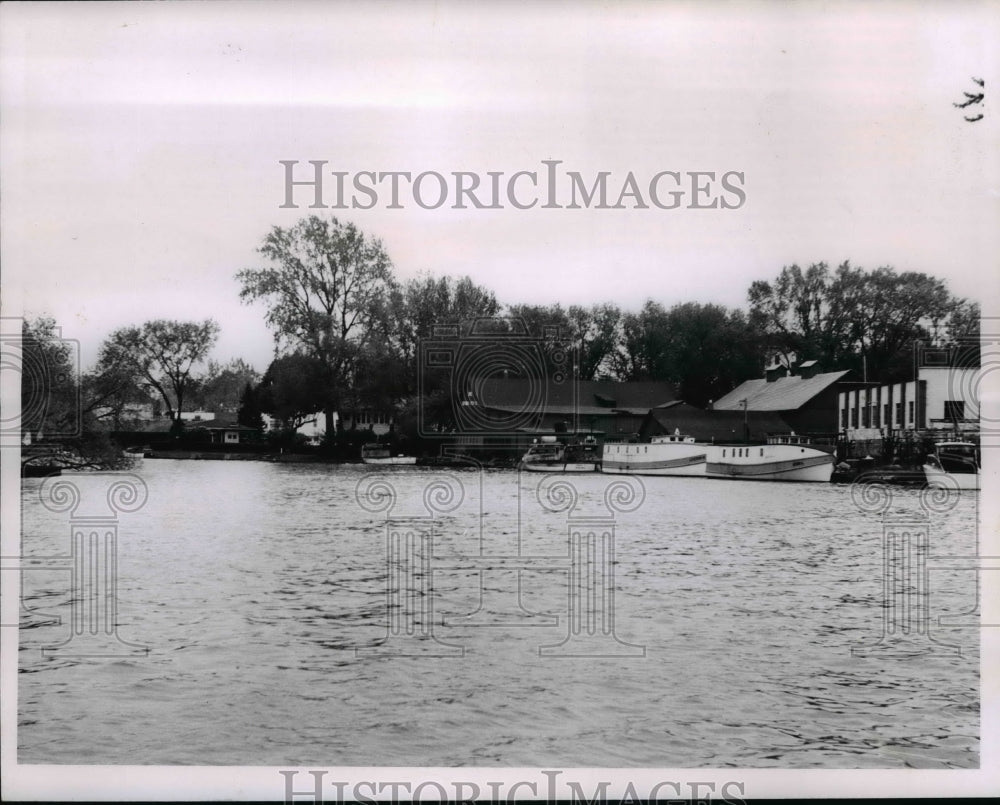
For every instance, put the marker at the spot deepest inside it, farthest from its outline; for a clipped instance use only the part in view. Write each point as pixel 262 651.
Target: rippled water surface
pixel 252 584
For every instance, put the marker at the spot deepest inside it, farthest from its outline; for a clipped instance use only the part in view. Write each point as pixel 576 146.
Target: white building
pixel 943 397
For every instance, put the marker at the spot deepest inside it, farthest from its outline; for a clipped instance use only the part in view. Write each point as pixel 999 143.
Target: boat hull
pixel 773 462
pixel 807 469
pixel 682 459
pixel 950 480
pixel 391 460
pixel 560 466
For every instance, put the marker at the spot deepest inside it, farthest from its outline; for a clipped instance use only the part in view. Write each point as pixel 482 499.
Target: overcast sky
pixel 141 146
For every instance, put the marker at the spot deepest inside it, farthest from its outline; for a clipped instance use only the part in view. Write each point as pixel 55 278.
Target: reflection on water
pixel 252 584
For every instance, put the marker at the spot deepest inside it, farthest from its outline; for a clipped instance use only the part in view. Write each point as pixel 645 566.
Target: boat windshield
pixel 966 450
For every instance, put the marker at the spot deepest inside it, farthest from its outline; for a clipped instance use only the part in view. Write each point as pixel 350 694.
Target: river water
pixel 736 629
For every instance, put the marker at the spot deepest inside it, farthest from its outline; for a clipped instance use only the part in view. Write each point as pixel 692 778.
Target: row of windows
pixel 870 415
pixel 368 418
pixel 742 452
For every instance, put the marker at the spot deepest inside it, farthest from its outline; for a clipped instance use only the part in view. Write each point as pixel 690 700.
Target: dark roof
pixel 783 394
pixel 589 397
pixel 720 426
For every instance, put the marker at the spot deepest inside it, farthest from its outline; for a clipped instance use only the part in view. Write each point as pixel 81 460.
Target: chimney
pixel 808 369
pixel 773 372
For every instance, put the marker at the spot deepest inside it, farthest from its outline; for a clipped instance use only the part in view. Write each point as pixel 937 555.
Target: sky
pixel 141 146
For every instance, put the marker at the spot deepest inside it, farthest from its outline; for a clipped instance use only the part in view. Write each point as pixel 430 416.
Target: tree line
pixel 347 334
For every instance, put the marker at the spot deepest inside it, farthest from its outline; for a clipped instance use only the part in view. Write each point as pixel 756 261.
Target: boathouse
pixel 616 409
pixel 720 427
pixel 805 397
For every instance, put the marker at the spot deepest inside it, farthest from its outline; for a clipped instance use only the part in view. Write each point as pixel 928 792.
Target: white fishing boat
pixel 783 458
pixel 549 454
pixel 664 455
pixel 381 454
pixel 953 465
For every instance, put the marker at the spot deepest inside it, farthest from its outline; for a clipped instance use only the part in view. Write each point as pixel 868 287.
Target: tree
pixel 50 391
pixel 249 414
pixel 162 355
pixel 293 389
pixel 596 333
pixel 705 350
pixel 792 313
pixel 426 301
pixel 973 99
pixel 57 418
pixel 325 285
pixel 850 318
pixel 221 386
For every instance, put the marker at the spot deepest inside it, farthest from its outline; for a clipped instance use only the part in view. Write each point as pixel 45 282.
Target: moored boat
pixel 783 458
pixel 549 454
pixel 778 460
pixel 664 455
pixel 953 465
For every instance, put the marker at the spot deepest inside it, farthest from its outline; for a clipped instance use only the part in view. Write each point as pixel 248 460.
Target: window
pixel 875 421
pixel 854 417
pixel 886 411
pixel 843 418
pixel 954 409
pixel 762 451
pixel 865 417
pixel 899 413
pixel 910 411
pixel 723 453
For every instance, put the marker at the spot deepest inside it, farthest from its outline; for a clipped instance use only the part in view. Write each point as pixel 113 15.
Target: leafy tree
pixel 162 354
pixel 973 99
pixel 50 391
pixel 596 332
pixel 293 389
pixel 221 387
pixel 425 301
pixel 110 391
pixel 249 414
pixel 57 409
pixel 643 349
pixel 705 350
pixel 326 284
pixel 850 318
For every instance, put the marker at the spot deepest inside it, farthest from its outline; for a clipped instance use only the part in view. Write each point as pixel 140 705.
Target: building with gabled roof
pixel 805 397
pixel 720 427
pixel 615 408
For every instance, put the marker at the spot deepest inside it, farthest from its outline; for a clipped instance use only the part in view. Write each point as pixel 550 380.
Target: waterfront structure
pixel 941 400
pixel 616 409
pixel 804 396
pixel 712 426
